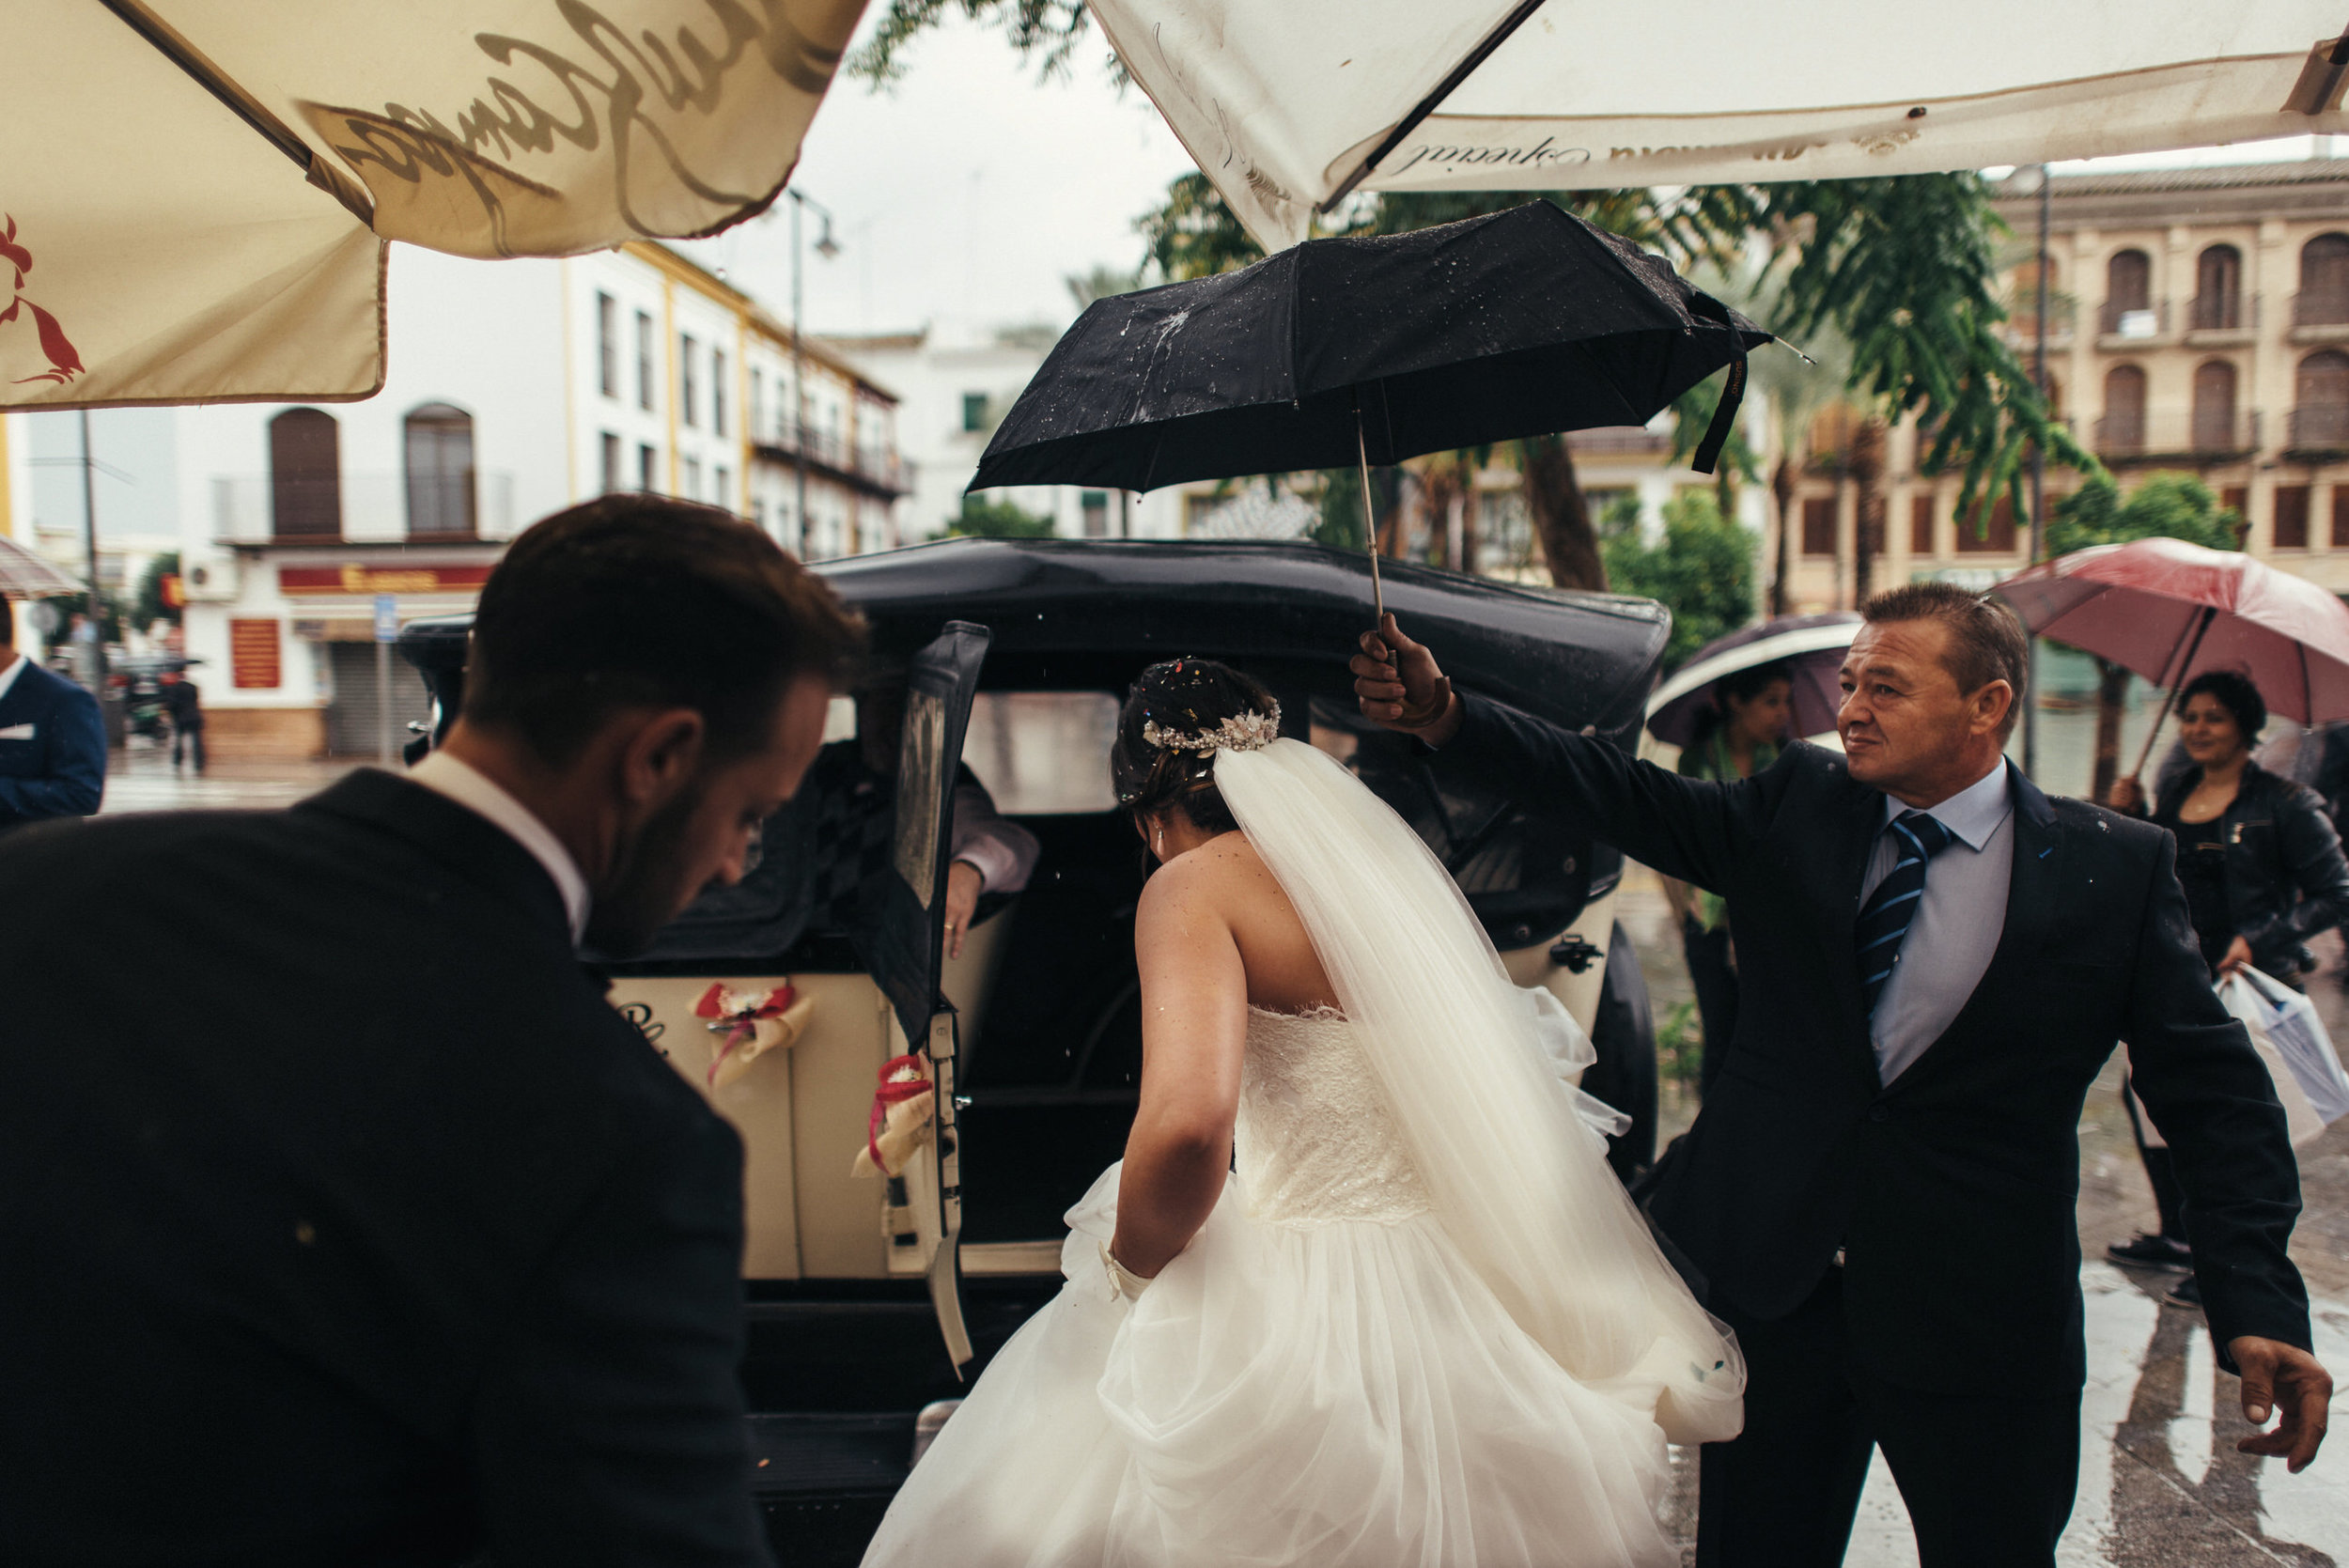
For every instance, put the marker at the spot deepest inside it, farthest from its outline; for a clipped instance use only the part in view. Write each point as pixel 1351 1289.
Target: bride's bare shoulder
pixel 1224 876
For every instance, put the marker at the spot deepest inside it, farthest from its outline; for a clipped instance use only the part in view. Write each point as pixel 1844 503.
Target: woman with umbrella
pixel 1737 737
pixel 2262 871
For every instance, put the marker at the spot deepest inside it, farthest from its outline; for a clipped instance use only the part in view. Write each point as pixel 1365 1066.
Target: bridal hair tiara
pixel 1242 732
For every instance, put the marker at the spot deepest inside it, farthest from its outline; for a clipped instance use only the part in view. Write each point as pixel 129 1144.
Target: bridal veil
pixel 1516 1177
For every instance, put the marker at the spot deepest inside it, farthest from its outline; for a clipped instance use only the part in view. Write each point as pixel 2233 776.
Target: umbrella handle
pixel 1370 530
pixel 2169 701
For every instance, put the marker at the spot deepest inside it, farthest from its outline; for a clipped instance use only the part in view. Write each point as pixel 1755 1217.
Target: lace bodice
pixel 1316 1142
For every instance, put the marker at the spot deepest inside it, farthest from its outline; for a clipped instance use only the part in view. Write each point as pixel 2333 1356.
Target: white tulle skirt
pixel 1344 1395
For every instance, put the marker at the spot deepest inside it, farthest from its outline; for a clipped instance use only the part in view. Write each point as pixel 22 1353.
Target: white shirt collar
pixel 8 676
pixel 1971 814
pixel 476 791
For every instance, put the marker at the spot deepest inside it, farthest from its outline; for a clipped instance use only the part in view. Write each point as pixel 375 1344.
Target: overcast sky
pixel 963 194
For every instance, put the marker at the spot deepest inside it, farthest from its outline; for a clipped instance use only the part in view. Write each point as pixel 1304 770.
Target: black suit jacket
pixel 53 749
pixel 1954 1189
pixel 341 1220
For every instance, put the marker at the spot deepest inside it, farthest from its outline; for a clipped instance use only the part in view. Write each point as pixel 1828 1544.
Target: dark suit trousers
pixel 1988 1480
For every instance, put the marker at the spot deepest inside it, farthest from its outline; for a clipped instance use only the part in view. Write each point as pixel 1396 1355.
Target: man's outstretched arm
pixel 1692 829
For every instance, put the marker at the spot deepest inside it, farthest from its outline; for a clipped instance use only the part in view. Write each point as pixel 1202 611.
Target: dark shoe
pixel 2151 1251
pixel 2185 1293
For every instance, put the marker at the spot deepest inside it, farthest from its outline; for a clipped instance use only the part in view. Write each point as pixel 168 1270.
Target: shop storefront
pixel 287 636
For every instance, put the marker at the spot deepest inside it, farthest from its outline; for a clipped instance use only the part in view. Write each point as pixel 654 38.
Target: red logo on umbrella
pixel 65 362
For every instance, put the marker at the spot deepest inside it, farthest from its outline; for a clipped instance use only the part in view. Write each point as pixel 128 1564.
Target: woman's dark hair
pixel 2234 692
pixel 1740 686
pixel 1184 696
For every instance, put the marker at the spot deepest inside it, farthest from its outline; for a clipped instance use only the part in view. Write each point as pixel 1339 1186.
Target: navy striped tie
pixel 1893 907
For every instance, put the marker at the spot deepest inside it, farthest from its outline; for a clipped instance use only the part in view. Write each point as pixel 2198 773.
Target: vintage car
pixel 870 1300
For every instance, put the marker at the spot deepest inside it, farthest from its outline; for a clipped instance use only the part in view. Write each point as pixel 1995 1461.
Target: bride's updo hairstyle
pixel 1162 758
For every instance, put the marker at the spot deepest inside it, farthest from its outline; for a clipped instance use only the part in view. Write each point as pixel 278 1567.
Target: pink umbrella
pixel 2168 611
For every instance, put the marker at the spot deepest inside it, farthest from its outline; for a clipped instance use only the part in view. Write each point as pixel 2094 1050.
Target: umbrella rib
pixel 1428 105
pixel 173 46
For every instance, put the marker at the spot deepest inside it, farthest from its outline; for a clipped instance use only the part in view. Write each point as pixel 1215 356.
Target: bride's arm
pixel 1194 1030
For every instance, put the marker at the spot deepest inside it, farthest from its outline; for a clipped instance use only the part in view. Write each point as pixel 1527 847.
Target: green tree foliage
pixel 996 520
pixel 1701 571
pixel 148 606
pixel 1044 31
pixel 2163 506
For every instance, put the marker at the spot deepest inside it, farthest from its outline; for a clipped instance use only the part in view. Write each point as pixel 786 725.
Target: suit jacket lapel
pixel 1856 842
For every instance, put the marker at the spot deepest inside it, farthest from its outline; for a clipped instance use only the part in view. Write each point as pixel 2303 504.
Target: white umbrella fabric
pixel 1287 107
pixel 195 194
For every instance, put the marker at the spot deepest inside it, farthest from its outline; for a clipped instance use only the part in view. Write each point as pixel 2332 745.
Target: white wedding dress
pixel 1423 1324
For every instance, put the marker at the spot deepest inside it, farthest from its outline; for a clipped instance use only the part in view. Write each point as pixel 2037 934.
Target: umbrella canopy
pixel 1287 107
pixel 26 575
pixel 1515 324
pixel 1812 647
pixel 197 193
pixel 2168 611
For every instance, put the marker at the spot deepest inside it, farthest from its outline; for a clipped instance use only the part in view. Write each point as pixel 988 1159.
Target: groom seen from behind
pixel 1937 960
pixel 345 1223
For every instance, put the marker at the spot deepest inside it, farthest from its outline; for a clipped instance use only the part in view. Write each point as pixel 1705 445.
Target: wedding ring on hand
pixel 1122 1280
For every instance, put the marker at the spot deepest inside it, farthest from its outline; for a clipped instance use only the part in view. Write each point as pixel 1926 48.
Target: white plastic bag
pixel 2299 1054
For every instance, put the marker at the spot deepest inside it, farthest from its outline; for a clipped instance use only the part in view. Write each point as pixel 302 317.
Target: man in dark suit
pixel 343 1221
pixel 53 742
pixel 1936 960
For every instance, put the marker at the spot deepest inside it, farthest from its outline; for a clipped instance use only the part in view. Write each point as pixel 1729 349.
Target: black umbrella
pixel 1341 351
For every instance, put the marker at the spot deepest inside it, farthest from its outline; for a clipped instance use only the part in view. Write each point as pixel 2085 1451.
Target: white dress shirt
pixel 476 791
pixel 1958 921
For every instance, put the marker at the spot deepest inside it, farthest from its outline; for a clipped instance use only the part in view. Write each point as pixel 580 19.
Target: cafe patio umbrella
pixel 2168 611
pixel 1810 646
pixel 26 575
pixel 195 195
pixel 1288 107
pixel 1349 352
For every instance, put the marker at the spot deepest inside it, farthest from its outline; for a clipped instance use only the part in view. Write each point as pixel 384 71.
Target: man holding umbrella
pixel 1937 960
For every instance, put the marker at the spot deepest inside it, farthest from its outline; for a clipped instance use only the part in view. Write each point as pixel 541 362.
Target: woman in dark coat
pixel 2262 871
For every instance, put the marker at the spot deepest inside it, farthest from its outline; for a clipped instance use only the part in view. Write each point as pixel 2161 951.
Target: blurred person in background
pixel 2262 871
pixel 186 707
pixel 1740 737
pixel 53 740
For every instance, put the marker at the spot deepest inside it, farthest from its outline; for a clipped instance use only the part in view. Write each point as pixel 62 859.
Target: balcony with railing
pixel 878 470
pixel 2319 427
pixel 2132 323
pixel 2320 315
pixel 2177 435
pixel 260 508
pixel 2218 319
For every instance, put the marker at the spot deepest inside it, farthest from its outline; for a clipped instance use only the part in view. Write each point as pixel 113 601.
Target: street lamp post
pixel 825 247
pixel 2038 471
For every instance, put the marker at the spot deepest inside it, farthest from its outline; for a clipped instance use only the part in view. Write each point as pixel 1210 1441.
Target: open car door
pixel 905 948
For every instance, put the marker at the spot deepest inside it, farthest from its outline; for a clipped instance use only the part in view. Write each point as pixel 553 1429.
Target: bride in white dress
pixel 1363 1291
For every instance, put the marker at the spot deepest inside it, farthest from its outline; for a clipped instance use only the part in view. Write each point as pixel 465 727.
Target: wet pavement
pixel 141 778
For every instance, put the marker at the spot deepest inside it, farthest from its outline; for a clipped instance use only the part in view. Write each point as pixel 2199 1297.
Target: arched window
pixel 2128 288
pixel 2219 289
pixel 2121 430
pixel 2213 407
pixel 2323 281
pixel 2320 414
pixel 439 471
pixel 305 481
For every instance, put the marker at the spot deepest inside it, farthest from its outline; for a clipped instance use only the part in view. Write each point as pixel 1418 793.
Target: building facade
pixel 513 388
pixel 2199 323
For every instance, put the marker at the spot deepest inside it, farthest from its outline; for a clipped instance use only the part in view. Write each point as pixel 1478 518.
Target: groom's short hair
pixel 633 600
pixel 1986 641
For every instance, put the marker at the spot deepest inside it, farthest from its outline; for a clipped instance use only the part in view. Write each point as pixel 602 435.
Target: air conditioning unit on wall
pixel 209 578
